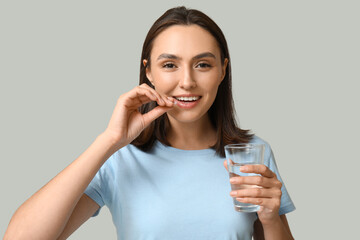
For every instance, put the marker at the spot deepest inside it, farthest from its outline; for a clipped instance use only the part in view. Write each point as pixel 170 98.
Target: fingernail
pixel 233 193
pixel 232 180
pixel 171 101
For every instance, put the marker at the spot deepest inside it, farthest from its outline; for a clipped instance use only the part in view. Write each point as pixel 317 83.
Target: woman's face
pixel 186 65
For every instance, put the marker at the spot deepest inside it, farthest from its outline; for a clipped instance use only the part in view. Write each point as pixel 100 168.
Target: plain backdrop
pixel 63 64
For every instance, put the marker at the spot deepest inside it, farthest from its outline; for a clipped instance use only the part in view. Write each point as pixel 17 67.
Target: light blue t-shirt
pixel 170 193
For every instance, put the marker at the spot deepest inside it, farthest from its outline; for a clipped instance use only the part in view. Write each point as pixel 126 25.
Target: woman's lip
pixel 186 105
pixel 186 95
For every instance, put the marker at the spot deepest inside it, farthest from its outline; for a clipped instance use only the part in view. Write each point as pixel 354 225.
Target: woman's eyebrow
pixel 204 55
pixel 172 56
pixel 168 56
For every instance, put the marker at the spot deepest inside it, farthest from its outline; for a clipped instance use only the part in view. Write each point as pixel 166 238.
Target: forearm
pixel 44 215
pixel 276 230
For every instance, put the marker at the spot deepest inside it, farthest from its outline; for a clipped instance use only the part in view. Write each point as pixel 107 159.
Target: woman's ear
pixel 224 66
pixel 147 70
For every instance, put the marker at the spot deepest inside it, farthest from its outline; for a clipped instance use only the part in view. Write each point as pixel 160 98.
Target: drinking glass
pixel 238 155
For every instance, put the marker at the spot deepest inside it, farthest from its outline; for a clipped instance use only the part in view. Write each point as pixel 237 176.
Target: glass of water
pixel 238 155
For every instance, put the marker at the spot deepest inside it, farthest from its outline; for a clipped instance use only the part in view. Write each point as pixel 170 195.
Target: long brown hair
pixel 221 113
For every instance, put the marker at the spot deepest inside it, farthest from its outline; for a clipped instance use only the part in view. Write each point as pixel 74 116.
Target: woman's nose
pixel 187 80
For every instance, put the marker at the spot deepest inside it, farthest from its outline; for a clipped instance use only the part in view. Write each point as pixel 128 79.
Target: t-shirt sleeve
pixel 287 204
pixel 97 190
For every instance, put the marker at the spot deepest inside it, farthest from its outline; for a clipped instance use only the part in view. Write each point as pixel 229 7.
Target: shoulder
pixel 116 159
pixel 125 153
pixel 268 153
pixel 256 139
pixel 129 154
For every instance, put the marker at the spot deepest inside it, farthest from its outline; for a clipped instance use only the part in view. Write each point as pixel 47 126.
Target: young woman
pixel 157 166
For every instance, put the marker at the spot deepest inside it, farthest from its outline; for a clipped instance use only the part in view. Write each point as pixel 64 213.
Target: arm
pixel 45 214
pixel 85 208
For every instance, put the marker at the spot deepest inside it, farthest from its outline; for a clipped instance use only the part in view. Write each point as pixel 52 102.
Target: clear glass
pixel 238 155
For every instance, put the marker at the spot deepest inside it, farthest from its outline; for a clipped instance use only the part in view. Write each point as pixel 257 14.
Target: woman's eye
pixel 169 65
pixel 203 65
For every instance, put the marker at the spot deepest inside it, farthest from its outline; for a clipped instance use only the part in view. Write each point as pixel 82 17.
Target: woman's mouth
pixel 187 101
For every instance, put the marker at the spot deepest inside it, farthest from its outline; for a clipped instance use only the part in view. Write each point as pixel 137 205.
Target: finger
pixel 154 114
pixel 162 100
pixel 170 101
pixel 139 92
pixel 159 99
pixel 140 96
pixel 254 180
pixel 225 165
pixel 145 99
pixel 271 205
pixel 167 99
pixel 259 169
pixel 256 193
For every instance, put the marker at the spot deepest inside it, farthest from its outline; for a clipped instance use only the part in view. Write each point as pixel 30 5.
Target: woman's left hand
pixel 268 196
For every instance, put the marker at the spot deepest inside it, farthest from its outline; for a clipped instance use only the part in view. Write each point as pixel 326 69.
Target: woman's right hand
pixel 46 214
pixel 127 122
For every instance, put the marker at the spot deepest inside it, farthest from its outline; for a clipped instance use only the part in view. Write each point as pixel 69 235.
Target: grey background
pixel 63 65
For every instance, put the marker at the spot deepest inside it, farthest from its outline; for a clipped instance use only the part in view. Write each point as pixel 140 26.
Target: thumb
pixel 225 165
pixel 154 114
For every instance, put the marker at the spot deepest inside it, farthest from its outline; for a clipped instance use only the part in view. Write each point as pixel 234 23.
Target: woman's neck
pixel 191 136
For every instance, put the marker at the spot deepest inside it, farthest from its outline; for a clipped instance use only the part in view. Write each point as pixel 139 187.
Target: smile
pixel 188 99
pixel 187 102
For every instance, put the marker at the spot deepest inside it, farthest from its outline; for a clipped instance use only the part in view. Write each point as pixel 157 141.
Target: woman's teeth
pixel 187 99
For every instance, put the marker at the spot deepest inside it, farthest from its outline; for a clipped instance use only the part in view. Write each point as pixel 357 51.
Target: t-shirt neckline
pixel 163 147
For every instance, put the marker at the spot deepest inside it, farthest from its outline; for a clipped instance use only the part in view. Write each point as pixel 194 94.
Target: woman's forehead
pixel 184 41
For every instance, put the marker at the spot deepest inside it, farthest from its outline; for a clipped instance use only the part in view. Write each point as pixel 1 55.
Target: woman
pixel 157 164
